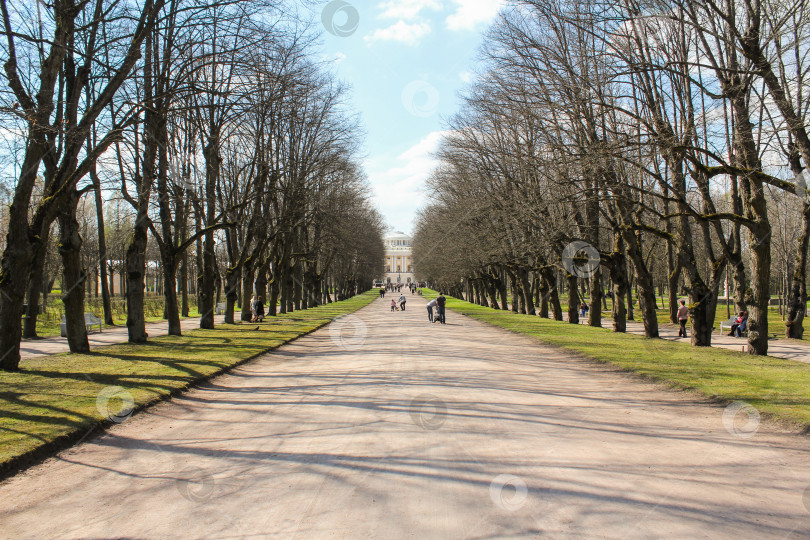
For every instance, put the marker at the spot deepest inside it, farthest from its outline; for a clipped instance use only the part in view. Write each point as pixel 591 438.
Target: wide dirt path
pixel 385 426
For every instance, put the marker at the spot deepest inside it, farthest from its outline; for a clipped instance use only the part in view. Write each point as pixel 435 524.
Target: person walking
pixel 440 302
pixel 683 316
pixel 260 309
pixel 253 309
pixel 402 301
pixel 430 305
pixel 393 305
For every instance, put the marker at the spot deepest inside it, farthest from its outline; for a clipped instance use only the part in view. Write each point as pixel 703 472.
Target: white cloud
pixel 470 13
pixel 466 76
pixel 406 9
pixel 336 58
pixel 422 151
pixel 399 190
pixel 409 34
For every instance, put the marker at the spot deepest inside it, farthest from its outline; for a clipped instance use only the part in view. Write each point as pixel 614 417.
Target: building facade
pixel 398 259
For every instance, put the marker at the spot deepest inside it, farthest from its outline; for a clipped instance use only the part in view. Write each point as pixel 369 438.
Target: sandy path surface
pixel 383 425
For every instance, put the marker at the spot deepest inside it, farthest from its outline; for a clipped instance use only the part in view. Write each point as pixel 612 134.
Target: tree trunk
pixel 34 290
pixel 136 282
pixel 209 270
pixel 74 276
pixel 261 290
pixel 760 246
pixel 702 317
pixel 549 274
pixel 492 291
pixel 102 248
pixel 272 304
pixel 297 284
pixel 231 293
pixel 170 310
pixel 618 275
pixel 288 284
pixel 797 306
pixel 528 301
pixel 248 284
pixel 184 285
pixel 595 311
pixel 756 209
pixel 500 285
pixel 543 290
pixel 673 280
pixel 513 286
pixel 573 298
pixel 644 282
pixel 630 310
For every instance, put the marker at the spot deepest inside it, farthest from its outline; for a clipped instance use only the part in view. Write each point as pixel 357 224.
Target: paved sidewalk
pixel 33 348
pixel 384 425
pixel 790 349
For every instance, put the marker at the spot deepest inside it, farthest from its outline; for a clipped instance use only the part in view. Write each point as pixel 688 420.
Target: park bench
pixel 90 321
pixel 220 309
pixel 727 324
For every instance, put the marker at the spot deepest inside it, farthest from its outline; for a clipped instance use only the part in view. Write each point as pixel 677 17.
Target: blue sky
pixel 406 61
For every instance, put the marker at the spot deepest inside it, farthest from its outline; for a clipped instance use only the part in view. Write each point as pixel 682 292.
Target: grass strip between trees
pixel 54 400
pixel 776 387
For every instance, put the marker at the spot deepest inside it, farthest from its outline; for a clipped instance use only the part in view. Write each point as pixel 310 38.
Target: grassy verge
pixel 53 400
pixel 776 387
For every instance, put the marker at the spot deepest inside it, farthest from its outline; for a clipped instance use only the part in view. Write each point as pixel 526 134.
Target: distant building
pixel 398 259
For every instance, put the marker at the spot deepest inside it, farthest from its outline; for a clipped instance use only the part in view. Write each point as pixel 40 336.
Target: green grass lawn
pixel 55 397
pixel 776 387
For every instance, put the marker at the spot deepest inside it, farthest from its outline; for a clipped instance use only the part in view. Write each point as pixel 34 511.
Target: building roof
pixel 398 235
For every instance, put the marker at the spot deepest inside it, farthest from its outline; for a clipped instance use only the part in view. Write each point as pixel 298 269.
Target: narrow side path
pixel 34 348
pixel 384 425
pixel 789 349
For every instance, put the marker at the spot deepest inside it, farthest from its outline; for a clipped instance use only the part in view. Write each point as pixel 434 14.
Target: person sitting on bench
pixel 740 324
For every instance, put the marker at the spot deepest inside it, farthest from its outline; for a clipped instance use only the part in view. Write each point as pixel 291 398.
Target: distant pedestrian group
pixel 257 309
pixel 583 310
pixel 438 304
pixel 398 305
